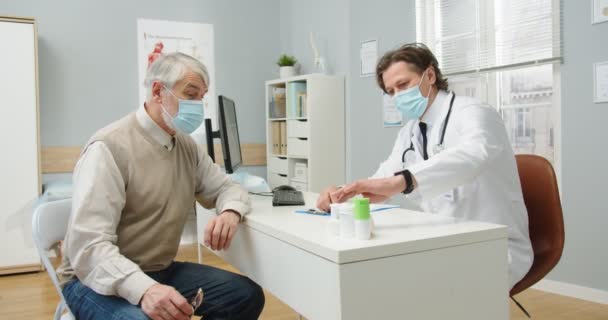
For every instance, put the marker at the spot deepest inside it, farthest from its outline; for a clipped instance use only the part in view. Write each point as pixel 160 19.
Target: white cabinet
pixel 305 131
pixel 277 165
pixel 20 161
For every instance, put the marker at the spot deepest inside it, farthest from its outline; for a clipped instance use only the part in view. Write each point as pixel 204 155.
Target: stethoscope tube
pixel 441 138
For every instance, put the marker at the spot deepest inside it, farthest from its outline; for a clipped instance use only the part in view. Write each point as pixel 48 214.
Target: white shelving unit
pixel 314 137
pixel 20 163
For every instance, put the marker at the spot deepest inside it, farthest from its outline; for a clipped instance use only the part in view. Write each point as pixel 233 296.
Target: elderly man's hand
pixel 161 302
pixel 221 229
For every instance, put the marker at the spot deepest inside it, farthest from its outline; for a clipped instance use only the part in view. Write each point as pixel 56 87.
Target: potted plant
pixel 287 66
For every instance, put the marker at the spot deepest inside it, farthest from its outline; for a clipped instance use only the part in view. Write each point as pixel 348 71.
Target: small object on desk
pixel 334 209
pixel 287 196
pixel 333 225
pixel 375 207
pixel 347 221
pixel 313 212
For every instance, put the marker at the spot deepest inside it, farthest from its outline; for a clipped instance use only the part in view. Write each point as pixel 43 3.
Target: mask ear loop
pixel 428 94
pixel 163 107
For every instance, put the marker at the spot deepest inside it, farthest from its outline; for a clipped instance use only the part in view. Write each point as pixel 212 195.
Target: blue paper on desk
pixel 374 207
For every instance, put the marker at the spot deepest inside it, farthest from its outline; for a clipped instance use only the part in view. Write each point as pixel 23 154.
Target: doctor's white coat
pixel 475 176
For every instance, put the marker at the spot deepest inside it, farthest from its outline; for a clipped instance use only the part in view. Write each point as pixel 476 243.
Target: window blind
pixel 470 36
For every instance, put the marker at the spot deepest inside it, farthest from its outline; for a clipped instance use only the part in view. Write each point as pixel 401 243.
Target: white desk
pixel 417 265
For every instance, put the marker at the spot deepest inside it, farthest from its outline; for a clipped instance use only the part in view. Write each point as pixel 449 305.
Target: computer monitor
pixel 229 134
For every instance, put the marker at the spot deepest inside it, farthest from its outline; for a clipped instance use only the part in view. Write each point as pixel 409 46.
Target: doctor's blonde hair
pixel 416 55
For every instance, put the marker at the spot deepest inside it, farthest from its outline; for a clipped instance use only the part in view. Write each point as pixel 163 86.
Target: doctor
pixel 453 157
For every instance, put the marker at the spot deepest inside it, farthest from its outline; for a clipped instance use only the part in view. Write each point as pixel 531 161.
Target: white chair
pixel 49 225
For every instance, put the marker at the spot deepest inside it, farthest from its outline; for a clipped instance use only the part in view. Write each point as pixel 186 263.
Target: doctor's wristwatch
pixel 409 185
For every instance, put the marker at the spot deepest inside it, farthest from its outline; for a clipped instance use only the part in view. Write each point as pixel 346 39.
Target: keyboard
pixel 287 198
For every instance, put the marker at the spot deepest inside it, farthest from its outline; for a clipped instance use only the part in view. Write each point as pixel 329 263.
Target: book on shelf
pixel 271 108
pixel 293 90
pixel 301 105
pixel 276 106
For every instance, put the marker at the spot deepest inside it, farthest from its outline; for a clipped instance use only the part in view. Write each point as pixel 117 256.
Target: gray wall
pixel 583 171
pixel 88 58
pixel 584 155
pixel 328 20
pixel 330 23
pixel 387 21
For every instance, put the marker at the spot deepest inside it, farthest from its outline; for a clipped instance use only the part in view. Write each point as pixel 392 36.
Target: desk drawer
pixel 297 147
pixel 297 129
pixel 277 165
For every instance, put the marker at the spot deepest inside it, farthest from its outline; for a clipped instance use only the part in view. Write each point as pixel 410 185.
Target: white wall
pixel 584 155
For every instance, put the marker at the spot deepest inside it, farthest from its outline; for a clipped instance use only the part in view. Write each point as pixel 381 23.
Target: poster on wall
pixel 599 11
pixel 600 80
pixel 157 37
pixel 369 57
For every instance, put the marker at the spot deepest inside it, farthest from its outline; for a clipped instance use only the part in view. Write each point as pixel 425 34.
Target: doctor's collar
pixel 433 115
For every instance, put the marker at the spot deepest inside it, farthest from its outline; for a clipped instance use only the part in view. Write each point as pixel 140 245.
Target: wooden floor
pixel 32 296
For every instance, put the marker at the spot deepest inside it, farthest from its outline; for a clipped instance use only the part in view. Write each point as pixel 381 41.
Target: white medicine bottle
pixel 347 222
pixel 333 225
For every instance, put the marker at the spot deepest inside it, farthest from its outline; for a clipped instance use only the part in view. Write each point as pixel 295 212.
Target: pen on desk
pixel 323 213
pixel 313 212
pixel 382 209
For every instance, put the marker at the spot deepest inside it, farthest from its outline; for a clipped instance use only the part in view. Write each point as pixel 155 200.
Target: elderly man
pixel 134 186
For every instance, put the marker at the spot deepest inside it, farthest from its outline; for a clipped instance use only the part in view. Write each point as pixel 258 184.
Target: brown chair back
pixel 545 219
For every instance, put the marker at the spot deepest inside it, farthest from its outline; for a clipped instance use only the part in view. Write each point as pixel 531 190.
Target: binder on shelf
pixel 283 137
pixel 276 146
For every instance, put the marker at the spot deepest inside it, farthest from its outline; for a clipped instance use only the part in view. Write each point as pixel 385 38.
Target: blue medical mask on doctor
pixel 410 102
pixel 190 115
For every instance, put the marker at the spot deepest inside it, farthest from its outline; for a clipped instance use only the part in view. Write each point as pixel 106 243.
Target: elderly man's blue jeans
pixel 227 295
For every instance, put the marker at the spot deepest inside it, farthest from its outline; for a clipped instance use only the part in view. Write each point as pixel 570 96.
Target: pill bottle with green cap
pixel 363 220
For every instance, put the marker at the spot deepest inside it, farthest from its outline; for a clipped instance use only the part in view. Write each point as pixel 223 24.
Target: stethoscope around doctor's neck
pixel 438 147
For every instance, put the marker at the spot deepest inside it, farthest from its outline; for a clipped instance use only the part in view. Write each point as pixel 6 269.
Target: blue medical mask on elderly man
pixel 190 115
pixel 410 102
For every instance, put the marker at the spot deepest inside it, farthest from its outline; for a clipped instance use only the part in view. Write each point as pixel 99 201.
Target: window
pixel 505 53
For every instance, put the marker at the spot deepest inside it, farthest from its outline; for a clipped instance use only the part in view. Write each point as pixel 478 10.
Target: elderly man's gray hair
pixel 172 67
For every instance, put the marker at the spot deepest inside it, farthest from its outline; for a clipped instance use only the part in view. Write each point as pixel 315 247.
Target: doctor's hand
pixel 377 190
pixel 325 198
pixel 221 229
